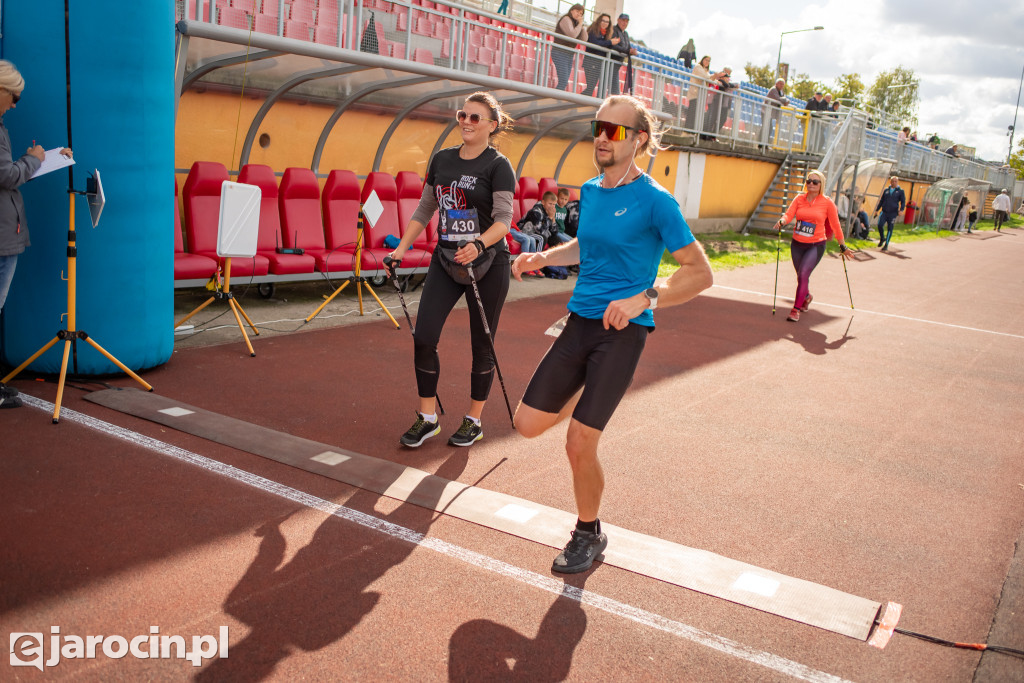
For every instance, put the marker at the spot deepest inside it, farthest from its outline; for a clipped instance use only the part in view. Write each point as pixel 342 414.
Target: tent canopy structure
pixel 943 199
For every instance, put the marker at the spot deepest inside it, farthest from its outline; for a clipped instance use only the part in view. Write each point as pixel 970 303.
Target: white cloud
pixel 968 57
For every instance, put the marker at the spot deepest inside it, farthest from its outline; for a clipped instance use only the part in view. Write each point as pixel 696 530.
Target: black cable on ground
pixel 963 646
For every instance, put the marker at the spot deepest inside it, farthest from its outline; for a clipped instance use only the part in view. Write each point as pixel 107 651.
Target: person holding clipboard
pixel 470 186
pixel 13 173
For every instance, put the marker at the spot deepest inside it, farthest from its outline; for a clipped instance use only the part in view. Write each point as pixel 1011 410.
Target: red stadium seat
pixel 302 10
pixel 529 194
pixel 271 236
pixel 373 236
pixel 301 221
pixel 202 213
pixel 233 17
pixel 188 266
pixel 296 29
pixel 423 55
pixel 410 189
pixel 266 24
pixel 340 204
pixel 547 185
pixel 325 35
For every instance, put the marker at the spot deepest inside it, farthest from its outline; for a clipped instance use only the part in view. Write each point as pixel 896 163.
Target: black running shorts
pixel 589 356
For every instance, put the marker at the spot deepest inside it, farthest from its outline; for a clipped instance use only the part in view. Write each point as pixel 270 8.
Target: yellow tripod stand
pixel 359 280
pixel 70 336
pixel 236 308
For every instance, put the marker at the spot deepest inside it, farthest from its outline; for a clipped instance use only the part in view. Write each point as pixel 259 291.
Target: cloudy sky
pixel 968 56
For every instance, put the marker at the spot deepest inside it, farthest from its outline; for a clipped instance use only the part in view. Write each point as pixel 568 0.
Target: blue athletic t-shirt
pixel 622 235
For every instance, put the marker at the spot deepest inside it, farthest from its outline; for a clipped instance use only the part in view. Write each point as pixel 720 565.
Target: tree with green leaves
pixel 895 93
pixel 1017 158
pixel 802 88
pixel 849 89
pixel 763 76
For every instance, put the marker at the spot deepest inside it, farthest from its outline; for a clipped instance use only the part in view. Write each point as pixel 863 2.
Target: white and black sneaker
pixel 420 431
pixel 9 397
pixel 468 434
pixel 580 552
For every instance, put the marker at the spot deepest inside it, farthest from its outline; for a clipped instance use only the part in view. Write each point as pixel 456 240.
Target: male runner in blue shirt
pixel 627 221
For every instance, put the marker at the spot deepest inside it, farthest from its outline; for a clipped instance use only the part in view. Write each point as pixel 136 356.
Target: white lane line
pixel 710 640
pixel 884 315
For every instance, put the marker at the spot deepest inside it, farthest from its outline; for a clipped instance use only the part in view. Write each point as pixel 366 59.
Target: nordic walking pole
pixel 848 290
pixel 487 331
pixel 778 246
pixel 390 265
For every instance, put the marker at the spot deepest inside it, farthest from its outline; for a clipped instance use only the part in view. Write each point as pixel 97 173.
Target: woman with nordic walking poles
pixel 816 221
pixel 471 187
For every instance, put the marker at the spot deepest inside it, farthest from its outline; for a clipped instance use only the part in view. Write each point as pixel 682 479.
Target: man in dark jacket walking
pixel 625 50
pixel 892 203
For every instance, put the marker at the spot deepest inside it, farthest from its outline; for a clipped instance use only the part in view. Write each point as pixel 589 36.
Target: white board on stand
pixel 239 221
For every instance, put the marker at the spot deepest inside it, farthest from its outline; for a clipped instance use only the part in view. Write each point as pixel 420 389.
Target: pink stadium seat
pixel 326 35
pixel 296 29
pixel 340 204
pixel 271 235
pixel 188 266
pixel 272 8
pixel 423 27
pixel 266 24
pixel 423 55
pixel 202 213
pixel 410 189
pixel 396 50
pixel 529 194
pixel 233 17
pixel 301 221
pixel 373 236
pixel 327 15
pixel 302 10
pixel 250 6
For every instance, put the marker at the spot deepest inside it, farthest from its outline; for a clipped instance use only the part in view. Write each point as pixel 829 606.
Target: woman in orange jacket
pixel 816 220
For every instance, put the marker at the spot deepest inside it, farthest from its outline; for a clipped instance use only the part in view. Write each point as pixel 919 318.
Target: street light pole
pixel 778 61
pixel 1013 128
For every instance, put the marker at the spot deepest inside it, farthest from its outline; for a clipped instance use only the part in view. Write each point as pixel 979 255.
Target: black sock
pixel 590 527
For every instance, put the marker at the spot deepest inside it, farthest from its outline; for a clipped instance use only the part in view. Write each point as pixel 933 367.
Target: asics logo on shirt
pixel 620 212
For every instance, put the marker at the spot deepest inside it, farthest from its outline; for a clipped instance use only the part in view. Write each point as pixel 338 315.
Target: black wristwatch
pixel 652 296
pixel 479 245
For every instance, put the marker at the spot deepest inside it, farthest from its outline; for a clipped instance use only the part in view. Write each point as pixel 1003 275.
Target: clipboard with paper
pixel 54 161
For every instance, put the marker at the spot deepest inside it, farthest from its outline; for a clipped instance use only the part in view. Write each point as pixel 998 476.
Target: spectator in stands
pixel 701 79
pixel 903 135
pixel 504 8
pixel 528 242
pixel 13 221
pixel 623 50
pixel 572 217
pixel 599 35
pixel 816 220
pixel 589 367
pixel 561 200
pixel 774 100
pixel 913 136
pixel 816 103
pixel 972 218
pixel 862 224
pixel 687 53
pixel 1001 207
pixel 953 151
pixel 540 220
pixel 571 26
pixel 723 101
pixel 471 187
pixel 891 204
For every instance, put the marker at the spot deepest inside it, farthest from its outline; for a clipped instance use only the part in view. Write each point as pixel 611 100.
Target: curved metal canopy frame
pixel 273 97
pixel 544 131
pixel 355 97
pixel 568 150
pixel 233 60
pixel 412 106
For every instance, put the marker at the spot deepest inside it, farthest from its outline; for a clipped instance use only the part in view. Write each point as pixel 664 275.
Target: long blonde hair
pixel 820 176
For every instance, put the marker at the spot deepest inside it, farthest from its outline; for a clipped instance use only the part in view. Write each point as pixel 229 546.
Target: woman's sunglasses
pixel 473 118
pixel 14 96
pixel 613 131
pixel 813 181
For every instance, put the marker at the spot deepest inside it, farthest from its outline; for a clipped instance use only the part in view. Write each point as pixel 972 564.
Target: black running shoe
pixel 420 431
pixel 581 551
pixel 9 397
pixel 468 434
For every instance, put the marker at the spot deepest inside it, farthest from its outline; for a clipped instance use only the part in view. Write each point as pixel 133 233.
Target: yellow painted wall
pixel 733 186
pixel 206 131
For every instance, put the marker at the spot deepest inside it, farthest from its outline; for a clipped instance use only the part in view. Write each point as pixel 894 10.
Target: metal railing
pixel 467 39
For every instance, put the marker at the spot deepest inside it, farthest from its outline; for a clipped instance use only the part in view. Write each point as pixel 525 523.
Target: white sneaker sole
pixel 422 439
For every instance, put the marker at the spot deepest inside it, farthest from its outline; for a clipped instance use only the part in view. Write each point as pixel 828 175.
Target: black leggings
pixel 440 293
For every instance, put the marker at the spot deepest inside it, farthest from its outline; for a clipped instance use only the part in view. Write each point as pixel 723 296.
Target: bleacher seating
pixel 188 266
pixel 340 203
pixel 202 212
pixel 410 189
pixel 270 235
pixel 529 194
pixel 301 220
pixel 546 185
pixel 373 236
